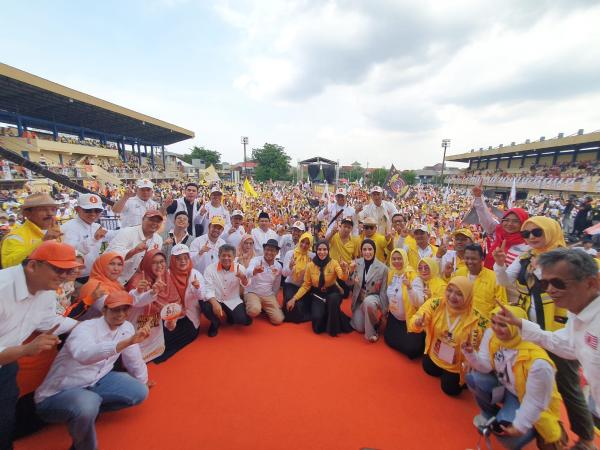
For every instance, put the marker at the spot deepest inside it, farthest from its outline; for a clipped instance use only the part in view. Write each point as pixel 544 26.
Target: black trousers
pixel 449 381
pixel 236 316
pixel 184 333
pixel 9 394
pixel 302 307
pixel 397 337
pixel 326 315
pixel 567 381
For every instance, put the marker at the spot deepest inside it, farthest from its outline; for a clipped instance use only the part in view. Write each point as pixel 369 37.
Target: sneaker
pixel 483 425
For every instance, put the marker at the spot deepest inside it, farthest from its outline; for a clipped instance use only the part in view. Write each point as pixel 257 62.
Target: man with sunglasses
pixel 570 277
pixel 28 306
pixel 84 233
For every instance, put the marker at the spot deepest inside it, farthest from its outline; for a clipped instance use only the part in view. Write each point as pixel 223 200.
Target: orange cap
pixel 118 298
pixel 56 253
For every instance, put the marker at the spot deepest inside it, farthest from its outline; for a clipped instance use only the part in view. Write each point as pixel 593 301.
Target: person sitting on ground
pixel 344 246
pixel 294 267
pixel 320 279
pixel 519 376
pixel 289 241
pixel 448 322
pixel 264 273
pixel 428 284
pixel 369 292
pixel 81 382
pixel 222 293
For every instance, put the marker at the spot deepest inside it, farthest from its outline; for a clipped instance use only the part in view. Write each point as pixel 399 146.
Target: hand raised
pixel 477 190
pixel 100 233
pixel 499 254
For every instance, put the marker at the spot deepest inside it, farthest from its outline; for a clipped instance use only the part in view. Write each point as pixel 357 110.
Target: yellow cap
pixel 465 232
pixel 217 220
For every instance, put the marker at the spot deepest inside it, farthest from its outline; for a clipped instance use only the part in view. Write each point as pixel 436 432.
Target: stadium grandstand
pixel 562 164
pixel 83 137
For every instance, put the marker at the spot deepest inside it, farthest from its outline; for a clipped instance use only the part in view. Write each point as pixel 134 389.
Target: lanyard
pixel 451 326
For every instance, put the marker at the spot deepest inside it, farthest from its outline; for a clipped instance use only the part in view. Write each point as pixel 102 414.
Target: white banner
pixel 6 171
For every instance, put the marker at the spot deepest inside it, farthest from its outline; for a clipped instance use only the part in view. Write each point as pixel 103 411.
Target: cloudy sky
pixel 375 81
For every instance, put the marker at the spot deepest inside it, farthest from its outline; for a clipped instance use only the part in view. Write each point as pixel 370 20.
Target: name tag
pixel 444 351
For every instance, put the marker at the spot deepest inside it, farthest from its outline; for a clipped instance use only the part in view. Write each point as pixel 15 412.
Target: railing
pixel 589 184
pixel 110 223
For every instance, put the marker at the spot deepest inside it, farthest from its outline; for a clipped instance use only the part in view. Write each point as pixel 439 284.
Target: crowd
pixel 497 304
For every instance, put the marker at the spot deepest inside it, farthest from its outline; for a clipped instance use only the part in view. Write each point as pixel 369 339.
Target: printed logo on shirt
pixel 591 340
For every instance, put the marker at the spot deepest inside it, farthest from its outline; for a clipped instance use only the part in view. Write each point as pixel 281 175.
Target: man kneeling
pixel 81 382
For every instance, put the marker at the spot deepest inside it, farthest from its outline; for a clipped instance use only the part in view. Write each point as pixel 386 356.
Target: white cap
pixel 299 225
pixel 341 191
pixel 179 249
pixel 376 189
pixel 144 183
pixel 216 188
pixel 237 212
pixel 423 228
pixel 89 201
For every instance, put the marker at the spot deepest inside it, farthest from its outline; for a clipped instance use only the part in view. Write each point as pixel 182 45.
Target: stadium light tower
pixel 245 142
pixel 445 144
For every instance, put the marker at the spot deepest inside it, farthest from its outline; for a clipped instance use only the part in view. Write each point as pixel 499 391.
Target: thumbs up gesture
pixel 499 254
pixel 204 249
pixel 196 283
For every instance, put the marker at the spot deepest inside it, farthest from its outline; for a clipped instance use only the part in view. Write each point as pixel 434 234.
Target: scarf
pixel 99 274
pixel 301 258
pixel 321 263
pixel 500 235
pixel 180 278
pixel 245 257
pixel 406 268
pixel 553 233
pixel 515 334
pixel 466 287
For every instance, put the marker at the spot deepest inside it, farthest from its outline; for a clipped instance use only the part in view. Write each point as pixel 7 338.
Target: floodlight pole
pixel 244 142
pixel 445 144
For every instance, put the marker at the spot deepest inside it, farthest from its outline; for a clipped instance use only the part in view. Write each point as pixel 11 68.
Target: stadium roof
pixel 35 97
pixel 559 143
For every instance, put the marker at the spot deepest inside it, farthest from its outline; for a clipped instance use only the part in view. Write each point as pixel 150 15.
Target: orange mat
pixel 267 387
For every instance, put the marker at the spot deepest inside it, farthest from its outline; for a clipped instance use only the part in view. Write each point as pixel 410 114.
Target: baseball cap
pixel 57 254
pixel 153 213
pixel 216 189
pixel 376 189
pixel 118 298
pixel 144 183
pixel 179 249
pixel 299 225
pixel 423 228
pixel 369 221
pixel 465 232
pixel 89 201
pixel 217 220
pixel 341 191
pixel 237 212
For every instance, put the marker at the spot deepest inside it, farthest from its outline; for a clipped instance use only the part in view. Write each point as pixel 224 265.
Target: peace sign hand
pixel 499 254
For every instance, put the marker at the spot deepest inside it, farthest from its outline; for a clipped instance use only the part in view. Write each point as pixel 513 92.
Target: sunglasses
pixel 368 227
pixel 92 211
pixel 557 283
pixel 536 232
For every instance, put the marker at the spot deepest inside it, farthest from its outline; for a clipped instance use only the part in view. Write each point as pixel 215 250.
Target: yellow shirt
pixel 414 257
pixel 344 251
pixel 20 243
pixel 381 244
pixel 485 290
pixel 332 271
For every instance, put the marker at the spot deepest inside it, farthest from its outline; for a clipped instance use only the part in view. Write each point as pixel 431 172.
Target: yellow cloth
pixel 553 233
pixel 249 190
pixel 460 264
pixel 332 271
pixel 344 251
pixel 380 242
pixel 20 243
pixel 548 423
pixel 301 258
pixel 410 274
pixel 435 283
pixel 413 254
pixel 485 290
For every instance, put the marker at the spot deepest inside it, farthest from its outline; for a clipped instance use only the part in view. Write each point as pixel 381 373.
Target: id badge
pixel 446 352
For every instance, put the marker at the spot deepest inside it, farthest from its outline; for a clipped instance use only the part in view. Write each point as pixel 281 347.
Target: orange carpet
pixel 266 387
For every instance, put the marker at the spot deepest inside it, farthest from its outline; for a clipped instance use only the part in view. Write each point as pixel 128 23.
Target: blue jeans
pixel 79 407
pixel 481 385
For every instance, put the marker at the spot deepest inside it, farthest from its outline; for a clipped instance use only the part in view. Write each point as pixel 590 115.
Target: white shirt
pixel 80 235
pixel 260 237
pixel 579 339
pixel 224 285
pixel 287 244
pixel 201 262
pixel 134 211
pixel 212 211
pixel 331 210
pixel 88 355
pixel 266 283
pixel 125 240
pixel 383 214
pixel 233 238
pixel 286 271
pixel 22 313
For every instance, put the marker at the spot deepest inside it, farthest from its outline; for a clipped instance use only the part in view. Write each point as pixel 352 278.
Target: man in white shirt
pixel 263 233
pixel 84 233
pixel 264 273
pixel 234 232
pixel 570 277
pixel 205 249
pixel 133 242
pixel 289 241
pixel 223 280
pixel 335 212
pixel 29 305
pixel 189 204
pixel 133 205
pixel 214 208
pixel 381 210
pixel 81 382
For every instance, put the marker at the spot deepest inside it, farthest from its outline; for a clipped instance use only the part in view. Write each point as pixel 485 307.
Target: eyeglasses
pixel 59 271
pixel 92 211
pixel 536 232
pixel 556 282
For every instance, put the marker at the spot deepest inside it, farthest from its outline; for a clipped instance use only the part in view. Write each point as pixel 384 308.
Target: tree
pixel 356 173
pixel 409 176
pixel 208 156
pixel 378 176
pixel 272 163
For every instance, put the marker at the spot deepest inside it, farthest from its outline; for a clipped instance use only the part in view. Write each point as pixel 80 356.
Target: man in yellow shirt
pixel 452 260
pixel 485 288
pixel 402 236
pixel 343 245
pixel 422 247
pixel 40 225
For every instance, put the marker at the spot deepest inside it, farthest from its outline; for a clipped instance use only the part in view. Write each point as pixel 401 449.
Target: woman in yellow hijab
pixel 429 283
pixel 294 266
pixel 402 305
pixel 449 322
pixel 505 367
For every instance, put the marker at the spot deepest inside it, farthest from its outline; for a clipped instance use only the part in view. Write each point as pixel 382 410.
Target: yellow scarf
pixel 301 258
pixel 406 268
pixel 552 233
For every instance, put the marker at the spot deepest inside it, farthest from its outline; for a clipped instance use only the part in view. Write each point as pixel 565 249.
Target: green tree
pixel 378 176
pixel 272 163
pixel 356 173
pixel 208 156
pixel 409 176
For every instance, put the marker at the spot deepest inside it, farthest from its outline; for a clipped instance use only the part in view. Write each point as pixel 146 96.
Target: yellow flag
pixel 249 190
